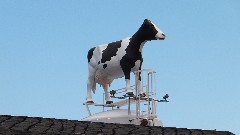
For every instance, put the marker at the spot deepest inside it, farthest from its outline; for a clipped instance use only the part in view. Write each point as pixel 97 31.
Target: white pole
pixel 88 109
pixel 153 107
pixel 129 108
pixel 103 102
pixel 136 87
pixel 148 95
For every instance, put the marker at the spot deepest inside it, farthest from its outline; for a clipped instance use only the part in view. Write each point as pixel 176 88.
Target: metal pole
pixel 139 97
pixel 103 102
pixel 129 109
pixel 154 77
pixel 151 81
pixel 153 107
pixel 136 87
pixel 148 95
pixel 88 109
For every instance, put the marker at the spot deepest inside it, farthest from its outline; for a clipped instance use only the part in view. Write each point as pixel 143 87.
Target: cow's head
pixel 151 31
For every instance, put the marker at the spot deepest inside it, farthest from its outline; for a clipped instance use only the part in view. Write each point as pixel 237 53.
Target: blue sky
pixel 44 44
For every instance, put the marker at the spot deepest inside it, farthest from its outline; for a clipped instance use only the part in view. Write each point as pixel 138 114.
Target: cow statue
pixel 117 59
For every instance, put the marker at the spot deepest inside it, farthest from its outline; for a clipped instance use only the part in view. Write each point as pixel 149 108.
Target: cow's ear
pixel 146 21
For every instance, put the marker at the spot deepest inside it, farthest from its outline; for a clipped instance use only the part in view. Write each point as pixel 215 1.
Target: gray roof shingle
pixel 22 125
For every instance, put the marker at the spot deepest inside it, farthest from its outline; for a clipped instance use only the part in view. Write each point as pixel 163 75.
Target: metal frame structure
pixel 148 87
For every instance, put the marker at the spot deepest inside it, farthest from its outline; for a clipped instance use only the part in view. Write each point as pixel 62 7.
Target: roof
pixel 23 125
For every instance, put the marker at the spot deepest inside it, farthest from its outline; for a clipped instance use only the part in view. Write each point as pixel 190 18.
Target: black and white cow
pixel 117 59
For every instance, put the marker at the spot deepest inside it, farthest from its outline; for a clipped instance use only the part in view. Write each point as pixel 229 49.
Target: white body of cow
pixel 115 60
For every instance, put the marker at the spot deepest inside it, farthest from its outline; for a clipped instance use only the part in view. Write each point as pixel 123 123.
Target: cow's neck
pixel 138 40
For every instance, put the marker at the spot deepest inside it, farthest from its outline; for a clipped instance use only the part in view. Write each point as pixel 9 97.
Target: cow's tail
pixel 94 87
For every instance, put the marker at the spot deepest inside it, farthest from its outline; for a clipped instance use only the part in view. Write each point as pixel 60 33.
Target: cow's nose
pixel 164 35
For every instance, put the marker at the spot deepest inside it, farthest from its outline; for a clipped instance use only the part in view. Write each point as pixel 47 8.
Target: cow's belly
pixel 107 75
pixel 112 71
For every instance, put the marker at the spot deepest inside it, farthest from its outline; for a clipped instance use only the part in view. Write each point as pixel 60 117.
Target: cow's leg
pixel 138 81
pixel 126 70
pixel 90 84
pixel 127 79
pixel 128 88
pixel 107 95
pixel 89 88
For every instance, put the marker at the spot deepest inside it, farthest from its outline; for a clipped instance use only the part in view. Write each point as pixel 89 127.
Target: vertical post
pixel 148 94
pixel 154 77
pixel 136 87
pixel 88 109
pixel 129 108
pixel 151 81
pixel 103 102
pixel 153 107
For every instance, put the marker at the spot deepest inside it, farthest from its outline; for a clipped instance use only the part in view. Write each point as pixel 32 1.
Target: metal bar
pixel 103 102
pixel 151 81
pixel 136 87
pixel 129 108
pixel 88 109
pixel 142 81
pixel 148 94
pixel 139 103
pixel 153 107
pixel 154 77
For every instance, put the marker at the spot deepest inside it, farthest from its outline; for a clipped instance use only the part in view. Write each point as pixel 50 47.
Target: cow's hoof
pixel 130 93
pixel 109 102
pixel 144 122
pixel 142 95
pixel 90 102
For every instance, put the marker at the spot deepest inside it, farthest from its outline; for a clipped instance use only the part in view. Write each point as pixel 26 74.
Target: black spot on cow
pixel 98 62
pixel 132 55
pixel 104 66
pixel 110 51
pixel 90 54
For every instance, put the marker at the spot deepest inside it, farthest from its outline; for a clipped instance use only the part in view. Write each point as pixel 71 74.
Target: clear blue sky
pixel 44 44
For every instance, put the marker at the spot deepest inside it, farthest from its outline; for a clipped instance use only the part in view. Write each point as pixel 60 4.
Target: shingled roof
pixel 22 125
